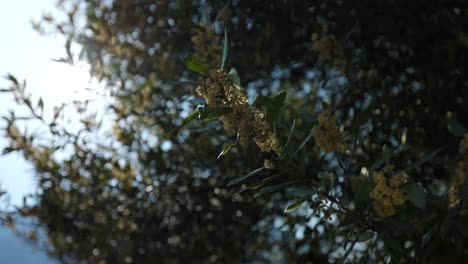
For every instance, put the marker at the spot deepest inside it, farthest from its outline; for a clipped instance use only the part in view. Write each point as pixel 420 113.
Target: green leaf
pixel 187 120
pixel 12 79
pixel 254 186
pixel 267 180
pixel 303 143
pixel 362 195
pixel 274 108
pixel 195 64
pixel 426 158
pixel 223 11
pixel 278 100
pixel 294 205
pixel 326 106
pixel 299 191
pixel 273 105
pixel 234 76
pixel 456 127
pixel 7 150
pixel 225 50
pixel 326 176
pixel 40 104
pixel 208 126
pixel 262 100
pixel 190 117
pixel 245 177
pixel 207 113
pixel 416 195
pixel 62 60
pixel 386 154
pixel 68 49
pixel 428 236
pixel 274 188
pixel 291 132
pixel 226 149
pixel 366 235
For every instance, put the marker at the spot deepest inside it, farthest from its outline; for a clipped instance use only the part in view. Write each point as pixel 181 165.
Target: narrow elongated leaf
pixel 291 132
pixel 195 64
pixel 348 251
pixel 68 50
pixel 208 126
pixel 223 11
pixel 40 104
pixel 12 79
pixel 294 205
pixel 257 185
pixel 225 50
pixel 303 143
pixel 62 60
pixel 254 186
pixel 7 150
pixel 187 120
pixel 245 177
pixel 428 236
pixel 426 158
pixel 190 117
pixel 226 148
pixel 386 154
pixel 207 113
pixel 274 188
pixel 300 191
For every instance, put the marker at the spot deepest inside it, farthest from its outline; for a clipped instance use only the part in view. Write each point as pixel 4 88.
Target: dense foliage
pixel 258 131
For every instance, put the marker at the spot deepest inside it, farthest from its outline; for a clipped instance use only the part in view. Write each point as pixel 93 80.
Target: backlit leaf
pixel 294 205
pixel 195 64
pixel 226 148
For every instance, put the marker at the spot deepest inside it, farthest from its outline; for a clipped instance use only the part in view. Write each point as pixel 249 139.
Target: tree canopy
pixel 256 131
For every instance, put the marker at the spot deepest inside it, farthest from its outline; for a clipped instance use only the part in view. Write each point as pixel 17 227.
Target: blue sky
pixel 27 55
pixel 23 53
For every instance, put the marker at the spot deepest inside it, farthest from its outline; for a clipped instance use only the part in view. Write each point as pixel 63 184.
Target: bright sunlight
pixel 68 82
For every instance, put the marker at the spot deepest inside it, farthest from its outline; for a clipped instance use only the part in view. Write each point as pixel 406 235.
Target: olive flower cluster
pixel 460 175
pixel 327 134
pixel 244 120
pixel 387 193
pixel 207 46
pixel 330 51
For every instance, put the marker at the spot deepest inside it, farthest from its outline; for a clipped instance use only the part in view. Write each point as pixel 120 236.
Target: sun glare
pixel 69 82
